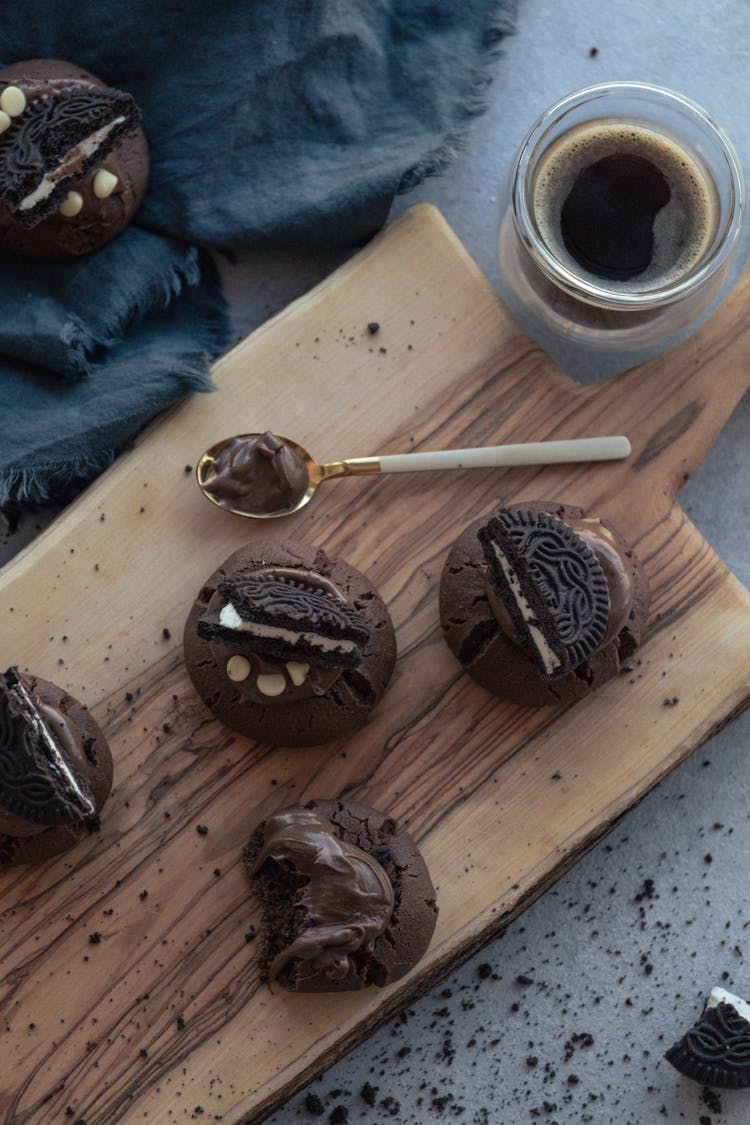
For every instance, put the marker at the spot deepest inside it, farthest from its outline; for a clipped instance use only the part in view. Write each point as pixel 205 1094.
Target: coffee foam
pixel 683 229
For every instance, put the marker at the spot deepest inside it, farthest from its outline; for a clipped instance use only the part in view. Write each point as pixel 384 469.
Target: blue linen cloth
pixel 271 122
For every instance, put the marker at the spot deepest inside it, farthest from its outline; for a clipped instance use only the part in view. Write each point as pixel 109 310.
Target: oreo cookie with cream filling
pixel 55 131
pixel 716 1050
pixel 39 783
pixel 287 620
pixel 551 584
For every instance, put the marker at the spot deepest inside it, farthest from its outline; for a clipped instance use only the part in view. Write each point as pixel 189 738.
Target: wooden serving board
pixel 166 1011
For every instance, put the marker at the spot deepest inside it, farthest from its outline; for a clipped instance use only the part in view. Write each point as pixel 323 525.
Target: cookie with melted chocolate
pixel 346 896
pixel 289 646
pixel 73 160
pixel 541 603
pixel 55 769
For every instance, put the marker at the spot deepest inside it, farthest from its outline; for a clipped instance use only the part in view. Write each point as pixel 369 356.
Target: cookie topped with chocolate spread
pixel 346 897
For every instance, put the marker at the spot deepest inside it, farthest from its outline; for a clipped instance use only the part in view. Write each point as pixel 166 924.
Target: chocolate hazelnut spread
pixel 348 898
pixel 257 473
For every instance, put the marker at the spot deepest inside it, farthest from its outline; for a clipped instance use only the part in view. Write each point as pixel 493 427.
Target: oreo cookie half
pixel 716 1050
pixel 58 131
pixel 287 620
pixel 552 585
pixel 36 779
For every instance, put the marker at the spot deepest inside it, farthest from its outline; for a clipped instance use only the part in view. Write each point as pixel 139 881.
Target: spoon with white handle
pixel 245 474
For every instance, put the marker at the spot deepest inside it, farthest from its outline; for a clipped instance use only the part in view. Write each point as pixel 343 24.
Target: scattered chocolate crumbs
pixel 95 938
pixel 711 1100
pixel 314 1105
pixel 368 1094
pixel 373 327
pixel 166 634
pixel 143 1053
pixel 180 1021
pixel 250 935
pixel 143 895
pixel 593 52
pixel 484 971
pixel 217 872
pixel 188 468
pixel 201 830
pixel 339 1115
pixel 671 701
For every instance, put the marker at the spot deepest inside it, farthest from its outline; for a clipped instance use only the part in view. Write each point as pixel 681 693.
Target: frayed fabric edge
pixel 436 162
pixel 60 479
pixel 82 344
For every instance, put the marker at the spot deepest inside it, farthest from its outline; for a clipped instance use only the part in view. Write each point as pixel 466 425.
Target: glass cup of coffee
pixel 626 202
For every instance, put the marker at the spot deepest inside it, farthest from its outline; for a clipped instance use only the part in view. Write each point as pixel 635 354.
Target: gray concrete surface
pixel 605 954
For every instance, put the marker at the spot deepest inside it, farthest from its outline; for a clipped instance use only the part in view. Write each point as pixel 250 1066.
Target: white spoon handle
pixel 527 453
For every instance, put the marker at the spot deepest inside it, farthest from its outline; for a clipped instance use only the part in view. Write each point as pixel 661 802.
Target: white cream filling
pixel 83 150
pixel 230 619
pixel 548 657
pixel 721 996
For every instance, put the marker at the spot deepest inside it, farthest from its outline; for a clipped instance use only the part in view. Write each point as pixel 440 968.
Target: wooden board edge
pixel 453 959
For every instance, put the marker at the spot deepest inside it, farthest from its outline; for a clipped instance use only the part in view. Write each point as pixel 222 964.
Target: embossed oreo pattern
pixel 30 786
pixel 295 606
pixel 716 1051
pixel 50 126
pixel 559 576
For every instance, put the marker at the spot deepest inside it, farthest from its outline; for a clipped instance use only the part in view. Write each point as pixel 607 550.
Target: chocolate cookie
pixel 289 646
pixel 716 1050
pixel 347 899
pixel 55 769
pixel 541 603
pixel 73 160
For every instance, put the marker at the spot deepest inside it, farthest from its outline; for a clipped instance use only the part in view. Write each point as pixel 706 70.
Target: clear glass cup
pixel 559 299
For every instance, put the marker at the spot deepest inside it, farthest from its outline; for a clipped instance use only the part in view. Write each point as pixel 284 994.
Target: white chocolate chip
pixel 104 183
pixel 271 683
pixel 238 668
pixel 5 122
pixel 13 101
pixel 297 672
pixel 72 205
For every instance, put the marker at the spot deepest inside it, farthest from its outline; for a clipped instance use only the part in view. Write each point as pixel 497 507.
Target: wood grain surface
pixel 165 1013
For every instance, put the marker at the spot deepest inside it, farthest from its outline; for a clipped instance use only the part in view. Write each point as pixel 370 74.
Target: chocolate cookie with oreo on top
pixel 73 160
pixel 289 646
pixel 542 603
pixel 55 769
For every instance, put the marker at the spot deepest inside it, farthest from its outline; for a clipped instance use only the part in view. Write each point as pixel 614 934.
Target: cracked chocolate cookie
pixel 289 646
pixel 541 603
pixel 55 769
pixel 347 898
pixel 73 160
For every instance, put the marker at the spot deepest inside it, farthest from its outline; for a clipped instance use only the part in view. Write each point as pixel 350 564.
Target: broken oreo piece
pixel 38 780
pixel 64 129
pixel 551 584
pixel 716 1050
pixel 287 620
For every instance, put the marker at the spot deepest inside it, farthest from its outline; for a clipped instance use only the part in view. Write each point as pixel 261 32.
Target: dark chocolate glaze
pixel 348 897
pixel 257 473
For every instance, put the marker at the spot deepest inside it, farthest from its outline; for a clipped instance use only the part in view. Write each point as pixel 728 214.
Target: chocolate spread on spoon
pixel 257 473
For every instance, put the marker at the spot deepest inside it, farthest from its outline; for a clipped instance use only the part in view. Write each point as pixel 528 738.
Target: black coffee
pixel 625 204
pixel 607 219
